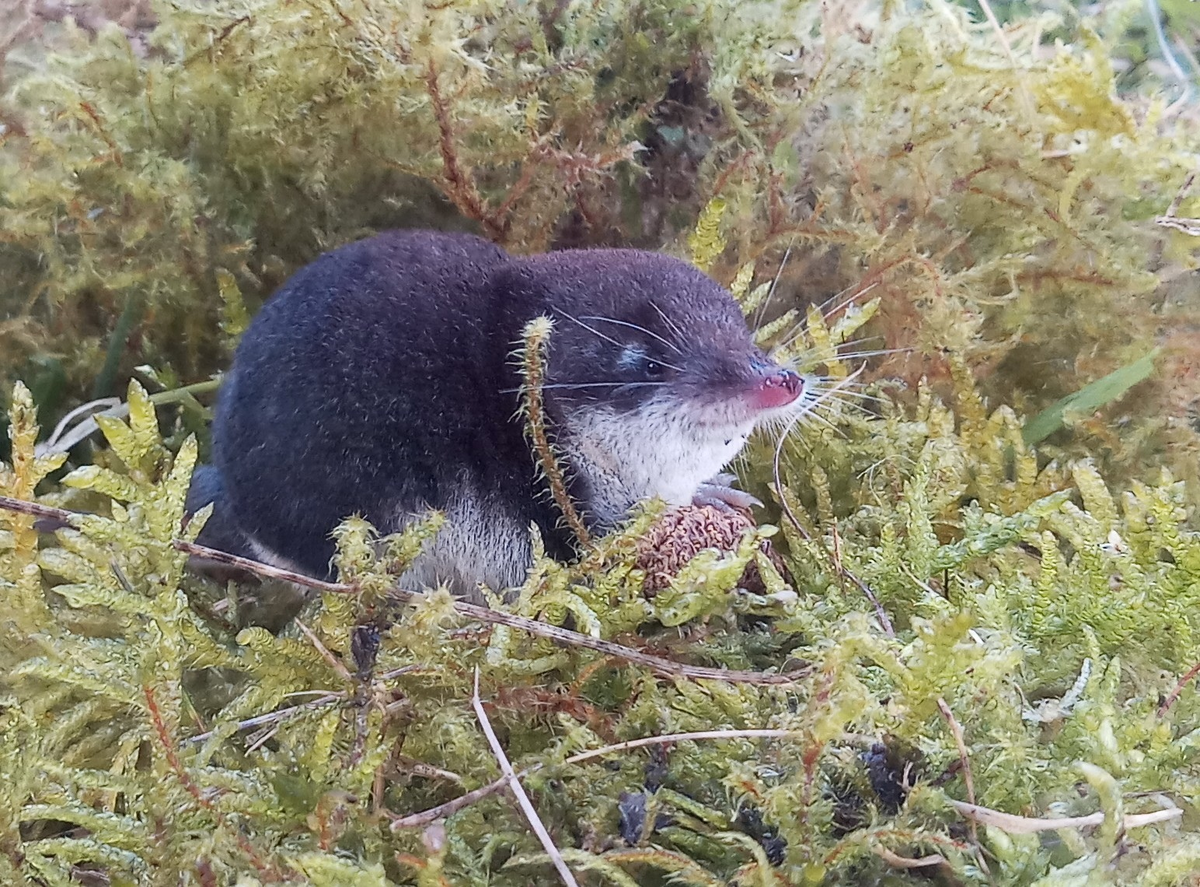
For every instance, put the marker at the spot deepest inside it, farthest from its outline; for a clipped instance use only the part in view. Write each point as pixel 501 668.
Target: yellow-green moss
pixel 991 211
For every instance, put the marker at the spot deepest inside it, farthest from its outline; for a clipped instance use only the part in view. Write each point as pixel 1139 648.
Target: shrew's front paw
pixel 720 493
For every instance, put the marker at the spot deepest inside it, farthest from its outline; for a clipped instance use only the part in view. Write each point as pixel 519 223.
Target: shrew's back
pixel 351 385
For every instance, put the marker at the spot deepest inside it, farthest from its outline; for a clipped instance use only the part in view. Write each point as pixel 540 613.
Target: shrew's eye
pixel 634 361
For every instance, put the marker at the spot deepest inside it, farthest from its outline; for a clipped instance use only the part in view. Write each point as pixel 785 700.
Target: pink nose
pixel 777 389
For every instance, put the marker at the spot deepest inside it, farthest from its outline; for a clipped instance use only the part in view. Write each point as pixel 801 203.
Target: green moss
pixel 997 202
pixel 991 213
pixel 1052 625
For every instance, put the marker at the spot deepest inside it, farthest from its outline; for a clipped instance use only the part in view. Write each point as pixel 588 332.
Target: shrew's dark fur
pixel 379 381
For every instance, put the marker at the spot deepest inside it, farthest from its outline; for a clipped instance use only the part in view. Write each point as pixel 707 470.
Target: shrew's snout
pixel 775 387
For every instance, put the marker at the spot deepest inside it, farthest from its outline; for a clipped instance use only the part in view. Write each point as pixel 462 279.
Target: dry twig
pixel 1025 825
pixel 274 717
pixel 957 732
pixel 895 860
pixel 441 811
pixel 667 738
pixel 1177 689
pixel 510 777
pixel 1026 99
pixel 334 663
pixel 657 664
pixel 1171 219
pixel 425 817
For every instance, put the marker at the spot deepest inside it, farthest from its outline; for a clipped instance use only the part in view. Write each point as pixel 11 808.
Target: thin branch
pixel 458 185
pixel 34 509
pixel 1177 689
pixel 1017 825
pixel 441 811
pixel 334 663
pixel 282 714
pixel 895 860
pixel 1022 89
pixel 667 738
pixel 1170 219
pixel 881 614
pixel 1024 825
pixel 425 817
pixel 428 771
pixel 957 732
pixel 657 664
pixel 396 672
pixel 510 777
pixel 1177 200
pixel 835 560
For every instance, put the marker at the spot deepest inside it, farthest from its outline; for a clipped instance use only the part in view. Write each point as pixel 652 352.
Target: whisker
pixel 851 294
pixel 814 413
pixel 762 309
pixel 610 339
pixel 849 390
pixel 808 410
pixel 813 378
pixel 783 435
pixel 561 385
pixel 826 312
pixel 850 355
pixel 641 329
pixel 857 394
pixel 857 408
pixel 671 324
pixel 592 330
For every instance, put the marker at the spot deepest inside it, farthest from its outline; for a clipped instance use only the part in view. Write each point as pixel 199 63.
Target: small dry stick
pixel 956 730
pixel 482 614
pixel 1171 219
pixel 835 558
pixel 1177 689
pixel 282 714
pixel 441 811
pixel 1173 209
pixel 1024 825
pixel 334 663
pixel 536 336
pixel 428 771
pixel 656 664
pixel 425 817
pixel 885 621
pixel 510 777
pixel 58 515
pixel 667 738
pixel 895 860
pixel 456 183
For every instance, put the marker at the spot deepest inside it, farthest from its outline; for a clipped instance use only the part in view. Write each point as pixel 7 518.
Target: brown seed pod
pixel 683 532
